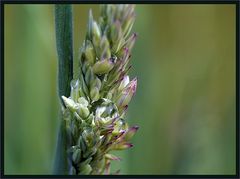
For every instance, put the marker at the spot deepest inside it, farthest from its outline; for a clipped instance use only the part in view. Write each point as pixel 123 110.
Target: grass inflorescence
pixel 95 110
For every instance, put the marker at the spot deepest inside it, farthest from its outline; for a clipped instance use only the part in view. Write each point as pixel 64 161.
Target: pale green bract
pixel 94 113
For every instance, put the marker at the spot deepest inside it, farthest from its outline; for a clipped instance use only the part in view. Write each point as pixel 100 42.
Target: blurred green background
pixel 184 59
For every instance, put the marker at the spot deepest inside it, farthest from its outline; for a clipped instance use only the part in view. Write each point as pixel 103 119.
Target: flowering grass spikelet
pixel 100 95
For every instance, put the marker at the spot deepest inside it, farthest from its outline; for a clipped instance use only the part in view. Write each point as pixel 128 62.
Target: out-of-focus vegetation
pixel 184 59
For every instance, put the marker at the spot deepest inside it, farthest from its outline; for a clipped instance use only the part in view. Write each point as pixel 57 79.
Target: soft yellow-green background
pixel 184 59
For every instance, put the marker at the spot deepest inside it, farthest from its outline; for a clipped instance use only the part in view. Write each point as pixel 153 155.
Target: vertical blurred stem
pixel 63 27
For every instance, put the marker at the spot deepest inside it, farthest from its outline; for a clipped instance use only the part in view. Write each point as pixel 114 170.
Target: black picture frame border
pixel 3 2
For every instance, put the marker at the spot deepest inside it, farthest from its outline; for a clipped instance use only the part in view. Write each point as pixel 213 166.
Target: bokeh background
pixel 185 104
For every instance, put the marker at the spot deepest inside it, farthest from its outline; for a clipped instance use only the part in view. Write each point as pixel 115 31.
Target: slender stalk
pixel 63 27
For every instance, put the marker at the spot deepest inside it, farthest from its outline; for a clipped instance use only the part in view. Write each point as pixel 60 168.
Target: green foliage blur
pixel 185 105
